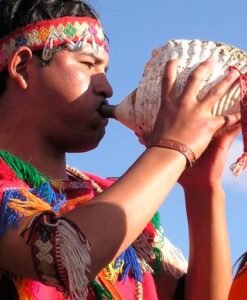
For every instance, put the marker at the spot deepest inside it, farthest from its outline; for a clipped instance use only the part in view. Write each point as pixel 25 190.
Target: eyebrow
pixel 95 57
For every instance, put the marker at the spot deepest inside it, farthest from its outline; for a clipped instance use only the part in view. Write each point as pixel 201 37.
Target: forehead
pixel 99 54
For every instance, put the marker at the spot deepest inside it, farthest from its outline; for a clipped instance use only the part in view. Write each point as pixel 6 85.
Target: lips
pixel 104 102
pixel 105 120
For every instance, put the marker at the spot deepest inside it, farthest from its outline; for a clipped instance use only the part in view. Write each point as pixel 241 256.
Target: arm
pixel 209 261
pixel 115 219
pixel 209 272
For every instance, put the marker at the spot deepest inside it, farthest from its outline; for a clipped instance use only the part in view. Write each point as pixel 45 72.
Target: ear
pixel 17 65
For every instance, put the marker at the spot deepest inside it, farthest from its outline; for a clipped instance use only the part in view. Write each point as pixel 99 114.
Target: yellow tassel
pixel 112 273
pixel 31 206
pixel 109 286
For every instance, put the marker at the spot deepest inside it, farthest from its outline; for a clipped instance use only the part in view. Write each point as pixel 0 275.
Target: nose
pixel 102 86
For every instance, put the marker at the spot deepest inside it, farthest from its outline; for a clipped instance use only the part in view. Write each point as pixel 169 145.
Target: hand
pixel 208 169
pixel 188 120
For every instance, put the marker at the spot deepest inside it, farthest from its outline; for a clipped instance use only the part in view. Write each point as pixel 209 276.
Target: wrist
pixel 167 157
pixel 205 205
pixel 215 187
pixel 176 146
pixel 204 198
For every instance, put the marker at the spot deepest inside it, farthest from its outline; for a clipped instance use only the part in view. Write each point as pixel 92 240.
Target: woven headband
pixel 73 32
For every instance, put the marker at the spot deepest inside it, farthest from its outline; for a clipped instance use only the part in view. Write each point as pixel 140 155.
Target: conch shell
pixel 139 109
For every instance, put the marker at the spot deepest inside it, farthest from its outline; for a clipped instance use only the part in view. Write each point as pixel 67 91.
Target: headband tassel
pixel 47 51
pixel 71 32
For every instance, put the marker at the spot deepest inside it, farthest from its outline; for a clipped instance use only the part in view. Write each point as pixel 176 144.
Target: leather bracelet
pixel 177 146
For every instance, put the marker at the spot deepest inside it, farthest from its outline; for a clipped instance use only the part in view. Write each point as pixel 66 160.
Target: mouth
pixel 99 110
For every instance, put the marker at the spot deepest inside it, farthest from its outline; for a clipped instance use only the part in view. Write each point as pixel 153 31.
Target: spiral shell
pixel 138 110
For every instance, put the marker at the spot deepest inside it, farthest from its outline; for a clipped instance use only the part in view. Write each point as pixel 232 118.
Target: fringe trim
pixel 31 206
pixel 8 217
pixel 173 260
pixel 73 258
pixel 113 270
pixel 23 170
pixel 240 165
pixel 131 264
pixel 21 202
pixel 143 248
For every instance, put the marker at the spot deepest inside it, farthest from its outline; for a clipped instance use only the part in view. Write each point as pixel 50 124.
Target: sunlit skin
pixel 47 111
pixel 55 106
pixel 69 92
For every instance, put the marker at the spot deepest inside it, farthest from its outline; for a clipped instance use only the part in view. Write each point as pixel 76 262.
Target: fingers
pixel 169 78
pixel 194 81
pixel 230 129
pixel 221 88
pixel 229 120
pixel 224 140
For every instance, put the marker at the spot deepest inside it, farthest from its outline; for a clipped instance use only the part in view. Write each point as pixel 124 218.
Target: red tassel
pixel 241 163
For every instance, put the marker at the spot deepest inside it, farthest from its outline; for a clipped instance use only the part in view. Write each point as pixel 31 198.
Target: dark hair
pixel 17 13
pixel 240 263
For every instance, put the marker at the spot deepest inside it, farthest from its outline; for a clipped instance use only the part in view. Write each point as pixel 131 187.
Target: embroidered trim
pixel 109 286
pixel 133 262
pixel 79 175
pixel 42 241
pixel 74 32
pixel 61 254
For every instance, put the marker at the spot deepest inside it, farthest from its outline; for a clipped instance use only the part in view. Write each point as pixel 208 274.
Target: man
pixel 53 62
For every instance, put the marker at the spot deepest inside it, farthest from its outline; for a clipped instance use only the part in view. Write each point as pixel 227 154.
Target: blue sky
pixel 134 28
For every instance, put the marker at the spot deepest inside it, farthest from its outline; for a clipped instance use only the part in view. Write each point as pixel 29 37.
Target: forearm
pixel 113 220
pixel 125 209
pixel 209 273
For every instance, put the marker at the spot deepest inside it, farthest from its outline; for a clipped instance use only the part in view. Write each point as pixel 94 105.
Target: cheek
pixel 65 82
pixel 73 85
pixel 77 82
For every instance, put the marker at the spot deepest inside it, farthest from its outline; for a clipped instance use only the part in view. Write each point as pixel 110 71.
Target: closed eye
pixel 90 65
pixel 91 60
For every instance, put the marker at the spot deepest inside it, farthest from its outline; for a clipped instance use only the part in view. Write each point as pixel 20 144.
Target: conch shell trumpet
pixel 139 109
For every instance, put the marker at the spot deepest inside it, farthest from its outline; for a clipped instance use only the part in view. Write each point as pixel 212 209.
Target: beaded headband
pixel 73 32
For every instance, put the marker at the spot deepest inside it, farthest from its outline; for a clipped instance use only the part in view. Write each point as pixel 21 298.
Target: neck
pixel 23 137
pixel 47 159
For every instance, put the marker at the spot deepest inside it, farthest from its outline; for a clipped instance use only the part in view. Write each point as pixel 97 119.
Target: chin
pixel 86 146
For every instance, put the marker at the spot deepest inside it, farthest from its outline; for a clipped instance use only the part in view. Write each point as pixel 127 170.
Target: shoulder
pixel 103 182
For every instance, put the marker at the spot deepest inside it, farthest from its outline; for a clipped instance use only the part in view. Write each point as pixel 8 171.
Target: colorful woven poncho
pixel 24 192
